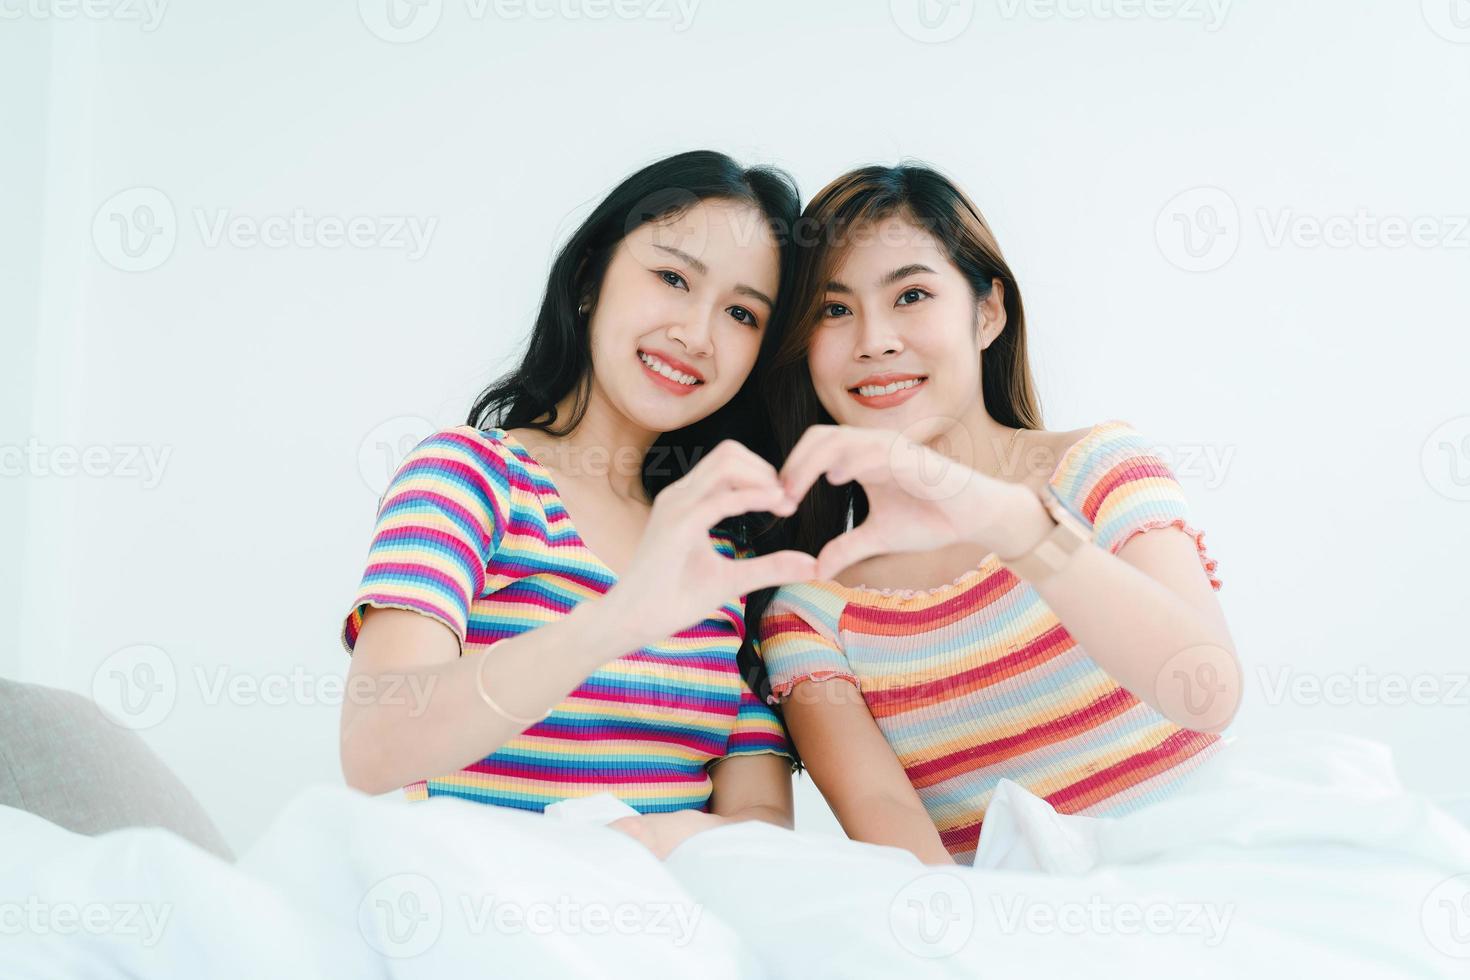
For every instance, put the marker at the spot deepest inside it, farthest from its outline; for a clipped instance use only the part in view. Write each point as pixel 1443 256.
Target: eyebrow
pixel 902 272
pixel 756 293
pixel 703 270
pixel 684 256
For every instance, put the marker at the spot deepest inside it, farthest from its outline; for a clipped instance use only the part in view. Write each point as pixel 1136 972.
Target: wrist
pixel 598 631
pixel 1017 522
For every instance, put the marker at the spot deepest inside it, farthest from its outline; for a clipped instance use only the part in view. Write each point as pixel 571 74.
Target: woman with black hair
pixel 565 575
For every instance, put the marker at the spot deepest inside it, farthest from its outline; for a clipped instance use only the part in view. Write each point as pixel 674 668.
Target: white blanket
pixel 1301 856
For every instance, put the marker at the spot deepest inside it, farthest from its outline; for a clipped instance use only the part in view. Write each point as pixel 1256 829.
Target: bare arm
pixel 413 709
pixel 1147 615
pixel 753 787
pixel 855 768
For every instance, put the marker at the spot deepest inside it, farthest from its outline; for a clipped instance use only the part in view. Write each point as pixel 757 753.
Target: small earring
pixel 582 309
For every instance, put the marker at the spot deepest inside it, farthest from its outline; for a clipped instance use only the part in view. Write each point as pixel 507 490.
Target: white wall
pixel 1315 374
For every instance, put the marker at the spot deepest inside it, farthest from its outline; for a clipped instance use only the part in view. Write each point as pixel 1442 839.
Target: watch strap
pixel 1056 548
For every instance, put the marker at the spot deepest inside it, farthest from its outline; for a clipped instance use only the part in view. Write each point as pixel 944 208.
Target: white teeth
pixel 869 391
pixel 665 370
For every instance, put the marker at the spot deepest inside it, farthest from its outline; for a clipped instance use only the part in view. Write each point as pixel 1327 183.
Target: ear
pixel 586 291
pixel 990 314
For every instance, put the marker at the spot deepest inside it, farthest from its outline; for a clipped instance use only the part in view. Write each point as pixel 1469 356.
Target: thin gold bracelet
pixel 484 694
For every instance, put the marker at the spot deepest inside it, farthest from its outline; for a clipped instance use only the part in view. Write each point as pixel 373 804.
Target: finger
pixel 819 448
pixel 729 465
pixel 861 542
pixel 777 568
pixel 861 464
pixel 709 511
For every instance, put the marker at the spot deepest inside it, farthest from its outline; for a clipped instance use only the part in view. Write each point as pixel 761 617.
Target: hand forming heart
pixel 918 499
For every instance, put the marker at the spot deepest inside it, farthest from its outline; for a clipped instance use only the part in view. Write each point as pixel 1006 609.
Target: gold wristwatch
pixel 1054 550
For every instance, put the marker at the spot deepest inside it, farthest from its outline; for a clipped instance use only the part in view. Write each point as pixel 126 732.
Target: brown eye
pixel 911 296
pixel 836 309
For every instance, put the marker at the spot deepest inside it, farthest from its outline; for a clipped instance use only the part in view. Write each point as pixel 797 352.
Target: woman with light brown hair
pixel 995 600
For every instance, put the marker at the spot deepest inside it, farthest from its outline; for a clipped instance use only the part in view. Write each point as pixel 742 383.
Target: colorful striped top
pixel 472 532
pixel 978 680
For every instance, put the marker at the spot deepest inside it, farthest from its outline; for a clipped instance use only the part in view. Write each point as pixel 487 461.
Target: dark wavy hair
pixel 558 356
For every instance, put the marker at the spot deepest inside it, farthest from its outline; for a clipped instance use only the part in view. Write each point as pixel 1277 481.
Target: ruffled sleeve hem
pixel 1209 564
pixel 781 691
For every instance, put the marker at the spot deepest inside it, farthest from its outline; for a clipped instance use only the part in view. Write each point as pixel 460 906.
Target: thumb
pixel 778 568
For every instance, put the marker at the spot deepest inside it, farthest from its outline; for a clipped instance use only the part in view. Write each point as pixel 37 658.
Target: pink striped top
pixel 978 680
pixel 472 532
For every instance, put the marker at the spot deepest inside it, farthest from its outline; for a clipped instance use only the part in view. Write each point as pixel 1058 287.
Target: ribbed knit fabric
pixel 978 680
pixel 473 533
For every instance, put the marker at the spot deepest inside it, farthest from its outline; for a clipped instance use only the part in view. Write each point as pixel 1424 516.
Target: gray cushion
pixel 63 759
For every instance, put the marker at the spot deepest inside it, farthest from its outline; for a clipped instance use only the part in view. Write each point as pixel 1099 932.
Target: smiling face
pixel 898 341
pixel 681 311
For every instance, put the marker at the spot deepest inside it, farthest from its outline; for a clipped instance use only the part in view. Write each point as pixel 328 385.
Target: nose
pixel 694 334
pixel 876 338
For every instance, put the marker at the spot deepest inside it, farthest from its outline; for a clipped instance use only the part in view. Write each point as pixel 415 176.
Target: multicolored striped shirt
pixel 473 532
pixel 978 680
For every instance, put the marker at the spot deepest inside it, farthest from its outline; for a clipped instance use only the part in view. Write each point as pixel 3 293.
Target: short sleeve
pixel 439 522
pixel 1115 481
pixel 757 730
pixel 794 648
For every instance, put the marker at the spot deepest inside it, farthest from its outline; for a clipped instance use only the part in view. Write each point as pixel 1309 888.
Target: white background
pixel 1315 394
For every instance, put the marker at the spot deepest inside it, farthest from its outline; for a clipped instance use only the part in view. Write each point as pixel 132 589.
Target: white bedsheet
pixel 1300 856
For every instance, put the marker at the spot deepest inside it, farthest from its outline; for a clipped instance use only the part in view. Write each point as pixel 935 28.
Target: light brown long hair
pixel 857 200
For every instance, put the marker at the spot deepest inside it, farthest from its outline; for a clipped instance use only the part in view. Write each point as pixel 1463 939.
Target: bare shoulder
pixel 1062 441
pixel 1041 451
